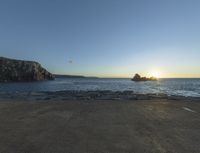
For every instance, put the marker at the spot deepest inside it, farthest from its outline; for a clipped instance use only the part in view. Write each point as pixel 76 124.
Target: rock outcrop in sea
pixel 137 77
pixel 18 70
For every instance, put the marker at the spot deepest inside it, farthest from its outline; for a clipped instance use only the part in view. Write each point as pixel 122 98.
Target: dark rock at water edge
pixel 12 70
pixel 137 77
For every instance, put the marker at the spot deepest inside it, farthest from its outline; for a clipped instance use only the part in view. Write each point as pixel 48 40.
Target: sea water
pixel 181 87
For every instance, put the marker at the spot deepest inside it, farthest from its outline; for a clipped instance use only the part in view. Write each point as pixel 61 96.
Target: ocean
pixel 178 87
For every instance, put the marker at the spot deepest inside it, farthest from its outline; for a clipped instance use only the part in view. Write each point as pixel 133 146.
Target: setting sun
pixel 155 73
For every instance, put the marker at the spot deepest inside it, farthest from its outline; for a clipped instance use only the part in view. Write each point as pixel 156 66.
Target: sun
pixel 155 73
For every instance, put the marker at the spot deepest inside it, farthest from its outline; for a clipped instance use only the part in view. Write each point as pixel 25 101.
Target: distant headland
pixel 73 76
pixel 13 70
pixel 137 77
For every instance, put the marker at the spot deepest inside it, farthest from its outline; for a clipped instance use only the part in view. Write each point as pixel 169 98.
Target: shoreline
pixel 98 121
pixel 91 95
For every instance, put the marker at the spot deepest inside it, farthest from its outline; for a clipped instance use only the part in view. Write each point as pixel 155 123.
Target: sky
pixel 105 38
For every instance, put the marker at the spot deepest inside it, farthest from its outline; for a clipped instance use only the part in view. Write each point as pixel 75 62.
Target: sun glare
pixel 155 73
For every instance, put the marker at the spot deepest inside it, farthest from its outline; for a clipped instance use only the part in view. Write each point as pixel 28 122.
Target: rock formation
pixel 137 77
pixel 18 70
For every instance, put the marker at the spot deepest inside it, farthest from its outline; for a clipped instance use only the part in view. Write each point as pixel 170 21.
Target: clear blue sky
pixel 104 37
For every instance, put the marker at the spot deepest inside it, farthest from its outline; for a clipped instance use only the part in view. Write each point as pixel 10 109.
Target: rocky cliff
pixel 18 70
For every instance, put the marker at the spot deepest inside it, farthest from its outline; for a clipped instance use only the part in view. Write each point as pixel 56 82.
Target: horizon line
pixel 113 77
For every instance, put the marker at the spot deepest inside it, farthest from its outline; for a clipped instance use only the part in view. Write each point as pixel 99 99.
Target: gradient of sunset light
pixel 105 38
